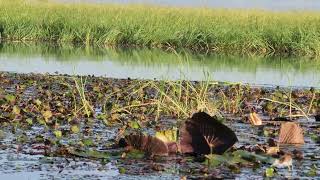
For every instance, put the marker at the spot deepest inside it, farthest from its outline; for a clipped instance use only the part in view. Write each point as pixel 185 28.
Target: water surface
pixel 150 64
pixel 22 165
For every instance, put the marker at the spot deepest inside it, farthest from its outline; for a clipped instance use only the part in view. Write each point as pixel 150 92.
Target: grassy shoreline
pixel 197 29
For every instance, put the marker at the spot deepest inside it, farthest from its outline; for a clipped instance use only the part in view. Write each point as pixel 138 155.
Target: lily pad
pixel 91 154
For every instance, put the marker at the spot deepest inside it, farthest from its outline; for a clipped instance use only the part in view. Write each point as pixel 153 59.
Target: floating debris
pixel 255 119
pixel 272 150
pixel 291 133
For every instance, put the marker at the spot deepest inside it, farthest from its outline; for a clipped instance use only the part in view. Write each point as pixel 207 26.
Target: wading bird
pixel 201 134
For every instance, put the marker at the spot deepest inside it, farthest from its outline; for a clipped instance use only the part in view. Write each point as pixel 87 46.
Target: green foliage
pixel 135 154
pixel 10 98
pixel 134 124
pixel 58 134
pixel 313 171
pixel 75 129
pixel 198 29
pixel 122 170
pixel 29 121
pixel 269 172
pixel 91 154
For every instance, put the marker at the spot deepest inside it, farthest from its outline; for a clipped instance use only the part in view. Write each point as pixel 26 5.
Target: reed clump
pixel 198 29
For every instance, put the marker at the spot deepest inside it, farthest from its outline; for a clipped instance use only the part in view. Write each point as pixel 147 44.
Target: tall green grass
pixel 198 29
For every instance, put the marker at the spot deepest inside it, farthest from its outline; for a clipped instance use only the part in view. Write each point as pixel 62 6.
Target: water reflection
pixel 150 64
pixel 260 4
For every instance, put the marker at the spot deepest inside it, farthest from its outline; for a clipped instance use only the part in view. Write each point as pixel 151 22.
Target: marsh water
pixel 243 4
pixel 20 158
pixel 158 64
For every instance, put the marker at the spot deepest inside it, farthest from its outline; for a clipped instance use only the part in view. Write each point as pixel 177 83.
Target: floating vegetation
pixel 255 119
pixel 45 115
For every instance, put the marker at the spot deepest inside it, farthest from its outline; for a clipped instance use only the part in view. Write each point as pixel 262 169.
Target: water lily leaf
pixel 38 102
pixel 16 110
pixel 88 142
pixel 47 115
pixel 136 102
pixel 22 138
pixel 102 116
pixel 135 154
pixel 134 124
pixel 2 134
pixel 313 171
pixel 10 98
pixel 41 121
pixel 75 129
pixel 96 89
pixel 254 157
pixel 122 170
pixel 216 160
pixel 91 154
pixel 58 134
pixel 170 135
pixel 29 121
pixel 269 172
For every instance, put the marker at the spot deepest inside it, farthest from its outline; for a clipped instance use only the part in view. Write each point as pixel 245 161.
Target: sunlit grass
pixel 198 29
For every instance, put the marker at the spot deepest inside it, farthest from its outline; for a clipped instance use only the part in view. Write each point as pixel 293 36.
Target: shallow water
pixel 150 64
pixel 246 4
pixel 24 147
pixel 21 164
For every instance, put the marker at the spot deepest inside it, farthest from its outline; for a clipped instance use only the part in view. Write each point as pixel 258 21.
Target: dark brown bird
pixel 150 145
pixel 202 134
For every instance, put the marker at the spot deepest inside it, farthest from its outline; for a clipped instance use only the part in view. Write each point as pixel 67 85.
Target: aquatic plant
pixel 183 98
pixel 197 29
pixel 40 110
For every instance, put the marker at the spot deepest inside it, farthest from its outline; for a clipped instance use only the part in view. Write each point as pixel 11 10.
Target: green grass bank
pixel 294 33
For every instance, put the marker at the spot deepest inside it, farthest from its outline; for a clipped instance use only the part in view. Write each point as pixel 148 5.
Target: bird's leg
pixel 290 167
pixel 209 142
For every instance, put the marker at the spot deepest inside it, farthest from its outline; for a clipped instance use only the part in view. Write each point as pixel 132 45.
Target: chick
pixel 284 161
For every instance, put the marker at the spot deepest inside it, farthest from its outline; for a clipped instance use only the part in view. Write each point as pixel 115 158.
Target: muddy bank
pixel 57 126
